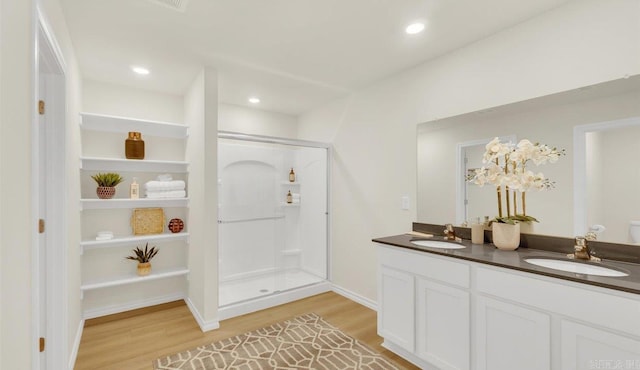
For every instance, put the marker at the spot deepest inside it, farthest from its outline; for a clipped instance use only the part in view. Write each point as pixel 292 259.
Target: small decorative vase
pixel 176 225
pixel 134 146
pixel 106 192
pixel 505 236
pixel 144 268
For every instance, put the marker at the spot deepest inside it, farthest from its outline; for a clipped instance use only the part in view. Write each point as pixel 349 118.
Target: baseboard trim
pixel 204 325
pixel 369 303
pixel 407 355
pixel 110 310
pixel 76 345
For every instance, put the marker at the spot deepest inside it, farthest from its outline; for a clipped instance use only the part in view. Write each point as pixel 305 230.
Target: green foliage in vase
pixel 107 179
pixel 143 256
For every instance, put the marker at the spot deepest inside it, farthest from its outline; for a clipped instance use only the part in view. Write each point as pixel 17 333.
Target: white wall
pixel 16 107
pixel 594 179
pixel 201 114
pixel 621 177
pixel 256 121
pixel 373 131
pixel 124 101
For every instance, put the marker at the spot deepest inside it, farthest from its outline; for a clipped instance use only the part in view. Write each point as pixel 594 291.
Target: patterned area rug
pixel 304 342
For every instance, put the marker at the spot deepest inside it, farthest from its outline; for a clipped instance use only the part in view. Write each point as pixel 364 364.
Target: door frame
pixel 50 68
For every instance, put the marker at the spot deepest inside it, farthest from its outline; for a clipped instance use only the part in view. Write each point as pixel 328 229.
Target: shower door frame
pixel 302 143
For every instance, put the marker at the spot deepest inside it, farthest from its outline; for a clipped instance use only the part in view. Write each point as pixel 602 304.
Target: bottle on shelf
pixel 289 197
pixel 134 190
pixel 292 176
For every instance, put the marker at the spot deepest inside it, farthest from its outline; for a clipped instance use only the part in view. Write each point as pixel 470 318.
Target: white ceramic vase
pixel 505 236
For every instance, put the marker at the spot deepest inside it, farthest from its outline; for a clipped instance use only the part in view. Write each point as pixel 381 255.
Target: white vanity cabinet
pixel 424 308
pixel 468 315
pixel 509 336
pixel 396 317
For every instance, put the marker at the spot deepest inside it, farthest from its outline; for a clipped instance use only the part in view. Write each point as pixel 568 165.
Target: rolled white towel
pixel 166 194
pixel 165 185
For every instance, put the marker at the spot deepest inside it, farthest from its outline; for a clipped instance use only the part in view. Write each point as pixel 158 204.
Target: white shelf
pixel 132 165
pixel 105 123
pixel 291 183
pixel 284 204
pixel 133 278
pixel 132 203
pixel 130 240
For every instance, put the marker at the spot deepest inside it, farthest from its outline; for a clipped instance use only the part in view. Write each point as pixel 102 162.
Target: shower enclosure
pixel 270 244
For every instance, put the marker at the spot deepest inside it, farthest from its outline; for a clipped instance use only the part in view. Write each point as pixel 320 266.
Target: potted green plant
pixel 144 258
pixel 107 184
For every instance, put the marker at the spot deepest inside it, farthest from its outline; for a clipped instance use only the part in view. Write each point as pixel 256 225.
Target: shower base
pixel 238 297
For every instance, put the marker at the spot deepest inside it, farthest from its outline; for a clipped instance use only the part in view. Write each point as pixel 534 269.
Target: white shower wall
pixel 259 233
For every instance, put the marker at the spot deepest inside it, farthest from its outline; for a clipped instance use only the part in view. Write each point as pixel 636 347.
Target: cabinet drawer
pixel 596 307
pixel 424 264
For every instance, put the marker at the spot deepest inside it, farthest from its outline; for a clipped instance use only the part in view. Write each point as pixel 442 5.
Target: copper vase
pixel 134 146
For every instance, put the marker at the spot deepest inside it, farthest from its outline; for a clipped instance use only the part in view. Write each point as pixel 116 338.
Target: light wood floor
pixel 132 340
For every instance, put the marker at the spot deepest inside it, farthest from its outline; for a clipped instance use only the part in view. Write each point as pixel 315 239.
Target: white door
pixel 585 347
pixel 442 324
pixel 511 337
pixel 396 292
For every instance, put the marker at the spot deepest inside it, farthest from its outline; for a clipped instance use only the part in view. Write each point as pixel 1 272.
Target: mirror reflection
pixel 608 180
pixel 444 197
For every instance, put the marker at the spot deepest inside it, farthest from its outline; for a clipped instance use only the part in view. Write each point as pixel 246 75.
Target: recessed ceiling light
pixel 254 100
pixel 140 70
pixel 414 28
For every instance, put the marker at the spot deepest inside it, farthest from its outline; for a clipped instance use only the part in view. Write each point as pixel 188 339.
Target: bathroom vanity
pixel 484 309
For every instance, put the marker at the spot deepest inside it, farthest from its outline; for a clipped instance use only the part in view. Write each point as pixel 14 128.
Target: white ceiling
pixel 294 54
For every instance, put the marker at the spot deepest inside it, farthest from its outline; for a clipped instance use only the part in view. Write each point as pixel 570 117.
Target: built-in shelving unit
pixel 96 253
pixel 130 240
pixel 129 165
pixel 132 279
pixel 132 203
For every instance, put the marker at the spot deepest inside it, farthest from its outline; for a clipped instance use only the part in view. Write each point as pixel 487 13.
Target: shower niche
pixel 269 243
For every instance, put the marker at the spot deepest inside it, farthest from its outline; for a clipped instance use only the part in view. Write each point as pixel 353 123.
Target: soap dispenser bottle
pixel 292 176
pixel 134 190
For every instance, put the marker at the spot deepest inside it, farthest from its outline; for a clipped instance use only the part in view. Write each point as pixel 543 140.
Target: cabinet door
pixel 396 307
pixel 585 347
pixel 511 337
pixel 443 325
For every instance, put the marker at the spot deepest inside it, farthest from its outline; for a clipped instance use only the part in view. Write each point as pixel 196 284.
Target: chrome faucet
pixel 582 251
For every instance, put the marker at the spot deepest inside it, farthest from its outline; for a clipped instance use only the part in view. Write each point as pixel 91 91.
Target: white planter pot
pixel 505 236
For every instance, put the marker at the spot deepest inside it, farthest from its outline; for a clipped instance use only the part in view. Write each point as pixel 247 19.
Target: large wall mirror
pixel 599 128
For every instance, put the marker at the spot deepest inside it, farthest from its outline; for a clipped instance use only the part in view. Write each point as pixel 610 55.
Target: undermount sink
pixel 575 267
pixel 437 244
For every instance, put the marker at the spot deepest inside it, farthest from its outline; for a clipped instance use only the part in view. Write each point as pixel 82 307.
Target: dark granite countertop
pixel 488 254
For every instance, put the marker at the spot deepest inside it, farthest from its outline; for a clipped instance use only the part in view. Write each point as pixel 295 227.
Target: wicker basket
pixel 145 221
